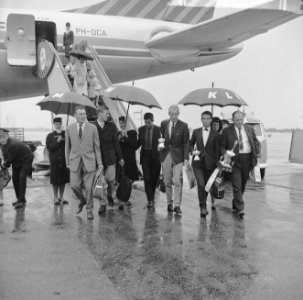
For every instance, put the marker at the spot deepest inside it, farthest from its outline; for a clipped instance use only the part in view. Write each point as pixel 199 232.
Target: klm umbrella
pixel 213 96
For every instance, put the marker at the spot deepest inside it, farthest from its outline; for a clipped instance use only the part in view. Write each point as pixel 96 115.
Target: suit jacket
pixel 177 144
pixel 16 153
pixel 87 148
pixel 210 153
pixel 109 143
pixel 155 137
pixel 229 136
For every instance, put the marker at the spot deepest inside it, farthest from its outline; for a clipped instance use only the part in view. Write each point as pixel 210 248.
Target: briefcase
pixel 125 187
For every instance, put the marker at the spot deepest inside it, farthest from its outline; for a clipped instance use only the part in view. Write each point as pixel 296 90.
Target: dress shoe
pixel 177 210
pixel 90 215
pixel 1 203
pixel 121 207
pixel 241 214
pixel 80 207
pixel 110 201
pixel 63 201
pixel 14 203
pixel 203 213
pixel 57 202
pixel 20 204
pixel 102 210
pixel 128 203
pixel 170 208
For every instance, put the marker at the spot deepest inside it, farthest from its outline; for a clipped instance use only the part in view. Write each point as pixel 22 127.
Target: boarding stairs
pixel 50 67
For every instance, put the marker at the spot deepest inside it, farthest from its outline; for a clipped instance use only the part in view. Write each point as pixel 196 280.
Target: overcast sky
pixel 268 74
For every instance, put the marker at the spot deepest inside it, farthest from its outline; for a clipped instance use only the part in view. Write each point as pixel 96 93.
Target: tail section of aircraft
pixel 182 11
pixel 189 12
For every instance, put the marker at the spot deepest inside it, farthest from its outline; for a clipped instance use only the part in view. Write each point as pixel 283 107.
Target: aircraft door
pixel 20 40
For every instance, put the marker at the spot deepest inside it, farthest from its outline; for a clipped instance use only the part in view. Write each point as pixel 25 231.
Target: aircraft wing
pixel 219 33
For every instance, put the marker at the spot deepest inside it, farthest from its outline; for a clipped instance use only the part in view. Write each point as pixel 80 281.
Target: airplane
pixel 134 39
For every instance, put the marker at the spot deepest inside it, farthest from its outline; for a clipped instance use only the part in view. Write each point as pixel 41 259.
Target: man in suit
pixel 247 152
pixel 20 156
pixel 82 154
pixel 110 152
pixel 149 156
pixel 205 141
pixel 173 156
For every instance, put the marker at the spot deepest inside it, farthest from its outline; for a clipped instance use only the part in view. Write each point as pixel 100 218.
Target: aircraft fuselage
pixel 119 41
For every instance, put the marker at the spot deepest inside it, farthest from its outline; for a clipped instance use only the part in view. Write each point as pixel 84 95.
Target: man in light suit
pixel 206 141
pixel 83 156
pixel 149 156
pixel 247 152
pixel 174 155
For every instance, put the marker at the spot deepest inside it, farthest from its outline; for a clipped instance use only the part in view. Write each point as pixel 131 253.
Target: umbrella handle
pixel 127 113
pixel 67 115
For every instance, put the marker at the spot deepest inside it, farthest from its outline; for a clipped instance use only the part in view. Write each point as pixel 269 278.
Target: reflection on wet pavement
pixel 164 262
pixel 151 254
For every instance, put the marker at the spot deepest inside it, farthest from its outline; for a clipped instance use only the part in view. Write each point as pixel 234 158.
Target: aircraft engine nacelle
pixel 161 31
pixel 169 54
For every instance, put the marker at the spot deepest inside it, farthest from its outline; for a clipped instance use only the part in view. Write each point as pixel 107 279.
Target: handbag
pixel 5 177
pixel 100 185
pixel 218 187
pixel 190 177
pixel 161 184
pixel 256 174
pixel 125 187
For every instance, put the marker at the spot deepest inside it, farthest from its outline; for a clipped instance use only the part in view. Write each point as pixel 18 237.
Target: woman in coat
pixel 59 174
pixel 128 144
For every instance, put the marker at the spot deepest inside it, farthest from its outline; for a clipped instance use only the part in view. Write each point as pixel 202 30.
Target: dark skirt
pixel 59 174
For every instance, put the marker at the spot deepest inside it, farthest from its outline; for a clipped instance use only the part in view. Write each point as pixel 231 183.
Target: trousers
pixel 239 177
pixel 151 171
pixel 173 176
pixel 83 179
pixel 110 178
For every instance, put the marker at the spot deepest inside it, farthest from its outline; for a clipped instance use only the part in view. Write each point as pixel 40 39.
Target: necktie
pixel 148 138
pixel 172 129
pixel 80 130
pixel 240 140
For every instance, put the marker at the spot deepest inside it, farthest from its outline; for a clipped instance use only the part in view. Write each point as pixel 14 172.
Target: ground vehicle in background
pixel 261 135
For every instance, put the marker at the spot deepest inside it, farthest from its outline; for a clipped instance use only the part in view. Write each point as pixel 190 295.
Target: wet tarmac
pixel 48 252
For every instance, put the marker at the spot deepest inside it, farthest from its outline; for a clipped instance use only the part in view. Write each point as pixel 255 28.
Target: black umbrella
pixel 132 95
pixel 213 96
pixel 65 103
pixel 81 54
